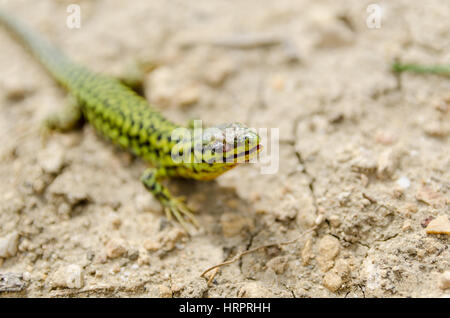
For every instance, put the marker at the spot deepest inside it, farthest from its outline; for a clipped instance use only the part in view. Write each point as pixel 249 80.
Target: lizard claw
pixel 175 207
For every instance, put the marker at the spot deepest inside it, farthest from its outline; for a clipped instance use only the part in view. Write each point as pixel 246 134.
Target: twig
pixel 240 255
pixel 422 69
pixel 366 196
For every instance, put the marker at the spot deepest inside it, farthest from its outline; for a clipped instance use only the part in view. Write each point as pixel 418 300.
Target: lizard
pixel 127 119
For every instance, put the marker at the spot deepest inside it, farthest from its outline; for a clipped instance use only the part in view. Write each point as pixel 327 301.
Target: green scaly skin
pixel 124 117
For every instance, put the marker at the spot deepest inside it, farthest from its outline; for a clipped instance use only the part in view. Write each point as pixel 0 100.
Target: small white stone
pixel 52 159
pixel 26 276
pixel 74 276
pixel 445 280
pixel 115 249
pixel 404 182
pixel 387 163
pixel 343 197
pixel 319 219
pixel 70 276
pixel 8 245
pixel 135 266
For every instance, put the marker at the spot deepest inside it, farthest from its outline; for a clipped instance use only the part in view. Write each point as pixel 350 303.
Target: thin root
pixel 240 255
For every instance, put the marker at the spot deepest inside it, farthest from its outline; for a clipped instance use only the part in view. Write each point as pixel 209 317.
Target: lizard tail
pixel 49 55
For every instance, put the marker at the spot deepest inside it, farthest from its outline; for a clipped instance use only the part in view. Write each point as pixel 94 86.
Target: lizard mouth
pixel 232 158
pixel 246 153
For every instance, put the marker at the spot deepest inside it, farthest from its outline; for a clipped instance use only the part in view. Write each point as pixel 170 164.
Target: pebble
pixel 143 260
pixel 8 245
pixel 342 267
pixel 74 276
pixel 334 220
pixel 51 159
pixel 188 95
pixel 11 282
pixel 151 245
pixel 133 255
pixel 387 164
pixel 430 245
pixel 440 225
pixel 403 182
pixel 319 219
pixel 406 226
pixel 385 138
pixel 398 193
pixel 164 291
pixel 343 198
pixel 26 276
pixel 116 222
pixel 115 249
pixel 332 281
pixel 329 248
pixel 409 208
pixel 135 267
pixel 70 276
pixel 115 269
pixel 426 221
pixel 444 282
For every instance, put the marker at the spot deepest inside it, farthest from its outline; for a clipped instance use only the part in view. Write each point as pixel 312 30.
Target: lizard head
pixel 230 144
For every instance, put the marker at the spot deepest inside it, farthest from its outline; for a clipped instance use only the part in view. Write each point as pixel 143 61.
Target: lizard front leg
pixel 66 118
pixel 151 178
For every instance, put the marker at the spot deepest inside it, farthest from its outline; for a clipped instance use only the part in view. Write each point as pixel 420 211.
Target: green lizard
pixel 124 117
